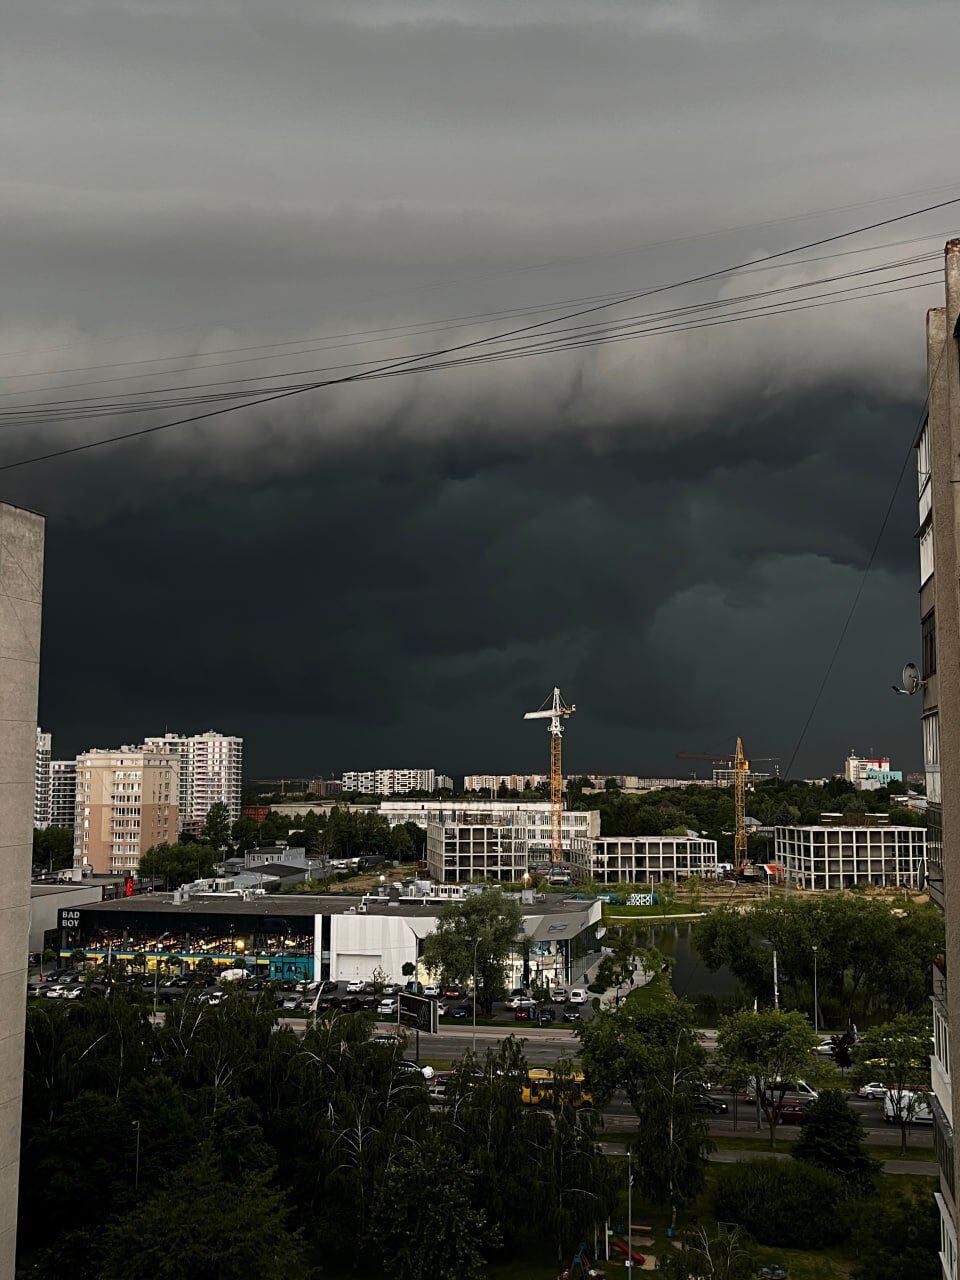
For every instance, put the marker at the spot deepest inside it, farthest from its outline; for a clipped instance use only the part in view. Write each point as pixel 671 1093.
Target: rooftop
pixel 303 904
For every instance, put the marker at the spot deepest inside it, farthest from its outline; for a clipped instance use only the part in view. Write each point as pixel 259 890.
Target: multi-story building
pixel 63 793
pixel 836 856
pixel 492 849
pixel 126 801
pixel 857 767
pixel 41 780
pixel 650 859
pixel 21 605
pixel 492 782
pixel 389 782
pixel 938 533
pixel 724 776
pixel 532 817
pixel 210 772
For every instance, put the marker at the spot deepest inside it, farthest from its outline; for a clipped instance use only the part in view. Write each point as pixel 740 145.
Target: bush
pixel 784 1203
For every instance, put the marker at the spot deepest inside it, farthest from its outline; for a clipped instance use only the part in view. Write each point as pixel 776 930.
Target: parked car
pixel 546 1016
pixel 521 1002
pixel 825 1047
pixel 461 1011
pixel 792 1113
pixel 917 1108
pixel 873 1090
pixel 432 989
pixel 572 1014
pixel 578 996
pixel 525 1013
pixel 454 992
pixel 390 989
pixel 560 995
pixel 356 986
pixel 387 1007
pixel 712 1106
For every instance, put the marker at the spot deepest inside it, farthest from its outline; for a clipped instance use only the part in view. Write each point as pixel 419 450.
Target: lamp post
pixel 629 1261
pixel 475 945
pixel 136 1169
pixel 816 1010
pixel 776 985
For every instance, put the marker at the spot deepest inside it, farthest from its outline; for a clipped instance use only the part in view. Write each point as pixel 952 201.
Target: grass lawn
pixel 801 1265
pixel 611 912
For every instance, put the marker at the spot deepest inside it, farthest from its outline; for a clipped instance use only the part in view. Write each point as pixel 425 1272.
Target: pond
pixel 690 976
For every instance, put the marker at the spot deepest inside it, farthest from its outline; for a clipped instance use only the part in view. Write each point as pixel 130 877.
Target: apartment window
pixel 928 644
pixel 926 553
pixel 931 755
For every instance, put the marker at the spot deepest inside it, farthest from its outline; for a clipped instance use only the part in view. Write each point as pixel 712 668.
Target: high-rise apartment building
pixel 126 801
pixel 21 602
pixel 938 447
pixel 210 772
pixel 41 780
pixel 492 782
pixel 389 782
pixel 63 792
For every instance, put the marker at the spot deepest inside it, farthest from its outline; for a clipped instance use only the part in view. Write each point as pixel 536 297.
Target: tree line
pixel 215 1146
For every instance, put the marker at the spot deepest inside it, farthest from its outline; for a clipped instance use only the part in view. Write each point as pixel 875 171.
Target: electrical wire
pixel 828 670
pixel 410 362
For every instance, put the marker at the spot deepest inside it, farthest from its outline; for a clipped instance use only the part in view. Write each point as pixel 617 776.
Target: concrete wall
pixel 46 901
pixel 21 593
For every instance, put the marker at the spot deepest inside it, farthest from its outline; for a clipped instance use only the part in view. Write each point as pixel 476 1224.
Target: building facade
pixel 21 603
pixel 63 793
pixel 938 535
pixel 335 936
pixel 492 782
pixel 650 859
pixel 840 857
pixel 126 801
pixel 210 772
pixel 41 780
pixel 500 840
pixel 389 782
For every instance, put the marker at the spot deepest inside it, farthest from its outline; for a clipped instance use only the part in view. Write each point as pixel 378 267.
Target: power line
pixel 411 361
pixel 866 572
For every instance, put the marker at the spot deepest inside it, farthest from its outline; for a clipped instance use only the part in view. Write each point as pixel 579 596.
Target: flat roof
pixel 303 904
pixel 41 890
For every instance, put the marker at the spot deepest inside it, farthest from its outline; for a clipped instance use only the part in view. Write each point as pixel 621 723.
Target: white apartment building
pixel 499 839
pixel 649 859
pixel 210 772
pixel 390 782
pixel 126 802
pixel 839 857
pixel 579 826
pixel 492 782
pixel 41 780
pixel 63 792
pixel 856 767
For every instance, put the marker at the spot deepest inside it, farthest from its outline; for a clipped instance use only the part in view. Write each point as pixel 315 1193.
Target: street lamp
pixel 475 945
pixel 776 984
pixel 816 1012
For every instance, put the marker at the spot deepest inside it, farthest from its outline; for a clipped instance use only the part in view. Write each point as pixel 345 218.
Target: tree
pixel 898 1236
pixel 703 1256
pixel 176 864
pixel 245 834
pixel 202 1225
pixel 656 1058
pixel 898 1054
pixel 216 827
pixel 480 932
pixel 772 1049
pixel 428 1224
pixel 53 847
pixel 832 1138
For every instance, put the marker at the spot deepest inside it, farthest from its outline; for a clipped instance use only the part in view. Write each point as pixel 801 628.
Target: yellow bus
pixel 540 1089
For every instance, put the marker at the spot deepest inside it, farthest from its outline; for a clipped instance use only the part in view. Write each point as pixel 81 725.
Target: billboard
pixel 418 1012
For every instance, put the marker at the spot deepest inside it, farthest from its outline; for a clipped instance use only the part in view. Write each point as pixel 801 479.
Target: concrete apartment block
pixel 21 596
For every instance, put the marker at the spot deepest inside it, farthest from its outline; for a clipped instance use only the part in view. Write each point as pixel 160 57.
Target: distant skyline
pixel 672 529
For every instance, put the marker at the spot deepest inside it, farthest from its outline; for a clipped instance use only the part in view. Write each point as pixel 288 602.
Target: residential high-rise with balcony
pixel 41 780
pixel 389 782
pixel 126 801
pixel 63 792
pixel 938 532
pixel 210 772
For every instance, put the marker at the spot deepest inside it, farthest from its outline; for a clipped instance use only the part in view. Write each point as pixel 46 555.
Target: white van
pixel 917 1108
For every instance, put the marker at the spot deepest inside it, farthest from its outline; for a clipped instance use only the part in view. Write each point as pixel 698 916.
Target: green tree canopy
pixel 897 1053
pixel 772 1050
pixel 898 1235
pixel 832 1138
pixel 481 930
pixel 216 827
pixel 53 848
pixel 177 864
pixel 656 1058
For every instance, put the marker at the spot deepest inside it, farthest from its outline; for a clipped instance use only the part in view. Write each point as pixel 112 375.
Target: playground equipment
pixel 580 1268
pixel 619 1245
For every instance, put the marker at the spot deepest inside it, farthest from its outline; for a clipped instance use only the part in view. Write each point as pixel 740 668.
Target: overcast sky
pixel 391 573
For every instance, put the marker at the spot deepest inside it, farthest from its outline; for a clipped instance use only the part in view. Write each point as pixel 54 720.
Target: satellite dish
pixel 910 681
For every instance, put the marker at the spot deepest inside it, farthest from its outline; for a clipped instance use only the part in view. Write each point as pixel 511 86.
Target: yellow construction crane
pixel 556 712
pixel 740 765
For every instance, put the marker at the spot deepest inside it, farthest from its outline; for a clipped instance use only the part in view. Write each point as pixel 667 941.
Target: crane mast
pixel 556 713
pixel 741 767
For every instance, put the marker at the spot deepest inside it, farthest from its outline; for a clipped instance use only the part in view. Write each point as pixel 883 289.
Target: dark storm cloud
pixel 672 529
